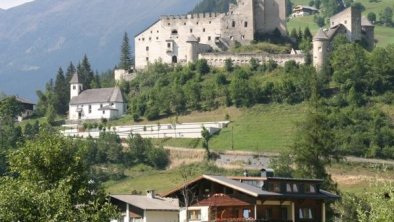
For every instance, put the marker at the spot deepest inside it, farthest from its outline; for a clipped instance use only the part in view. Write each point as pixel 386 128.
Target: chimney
pixel 267 173
pixel 150 194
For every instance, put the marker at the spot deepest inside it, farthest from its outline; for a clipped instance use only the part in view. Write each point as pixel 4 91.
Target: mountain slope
pixel 51 33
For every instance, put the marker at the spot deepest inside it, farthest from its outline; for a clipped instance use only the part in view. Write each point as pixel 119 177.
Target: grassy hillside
pixel 383 34
pixel 262 128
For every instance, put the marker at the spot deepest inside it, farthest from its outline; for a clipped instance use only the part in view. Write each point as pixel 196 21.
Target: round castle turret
pixel 320 49
pixel 192 49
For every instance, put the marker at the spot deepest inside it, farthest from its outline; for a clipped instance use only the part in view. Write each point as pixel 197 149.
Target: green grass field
pixel 261 128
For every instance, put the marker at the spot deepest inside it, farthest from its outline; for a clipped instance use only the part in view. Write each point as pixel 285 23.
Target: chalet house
pixel 91 104
pixel 265 198
pixel 302 10
pixel 149 208
pixel 27 108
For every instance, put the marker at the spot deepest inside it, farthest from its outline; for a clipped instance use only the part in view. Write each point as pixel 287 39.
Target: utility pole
pixel 232 137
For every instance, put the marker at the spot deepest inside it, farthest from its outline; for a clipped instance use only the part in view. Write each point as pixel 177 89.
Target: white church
pixel 92 104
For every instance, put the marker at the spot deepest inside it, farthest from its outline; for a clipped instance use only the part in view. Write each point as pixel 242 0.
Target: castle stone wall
pixel 218 59
pixel 167 39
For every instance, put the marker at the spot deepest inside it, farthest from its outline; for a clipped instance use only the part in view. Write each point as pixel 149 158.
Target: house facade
pixel 265 198
pixel 180 39
pixel 149 208
pixel 303 10
pixel 91 104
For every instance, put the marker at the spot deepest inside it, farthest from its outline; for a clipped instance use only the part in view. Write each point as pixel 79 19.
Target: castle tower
pixel 192 49
pixel 320 49
pixel 75 86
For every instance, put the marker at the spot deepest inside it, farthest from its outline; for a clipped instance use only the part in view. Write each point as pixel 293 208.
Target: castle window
pixel 143 39
pixel 184 23
pixel 147 59
pixel 191 30
pixel 345 21
pixel 203 30
pixel 243 36
pixel 169 45
pixel 245 24
pixel 198 39
pixel 209 38
pixel 150 38
pixel 103 111
pixel 157 38
pixel 169 24
pixel 151 31
pixel 210 22
pixel 147 48
pixel 157 31
pixel 320 49
pixel 174 32
pixel 233 24
pixel 174 59
pixel 231 37
pixel 197 23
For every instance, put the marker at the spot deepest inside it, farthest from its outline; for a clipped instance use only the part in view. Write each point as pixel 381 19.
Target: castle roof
pixel 74 79
pixel 365 22
pixel 192 38
pixel 321 35
pixel 103 95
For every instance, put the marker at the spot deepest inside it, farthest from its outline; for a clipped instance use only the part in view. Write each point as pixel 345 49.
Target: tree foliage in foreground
pixel 51 183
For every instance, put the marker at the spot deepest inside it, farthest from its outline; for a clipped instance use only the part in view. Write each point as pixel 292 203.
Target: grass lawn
pixel 261 128
pixel 302 22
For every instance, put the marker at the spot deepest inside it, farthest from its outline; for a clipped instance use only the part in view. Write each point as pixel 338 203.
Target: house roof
pixel 234 184
pixel 222 200
pixel 148 203
pixel 74 79
pixel 237 184
pixel 103 95
pixel 24 100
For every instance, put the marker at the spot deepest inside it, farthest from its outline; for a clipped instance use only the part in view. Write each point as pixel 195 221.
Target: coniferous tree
pixel 125 57
pixel 60 91
pixel 85 73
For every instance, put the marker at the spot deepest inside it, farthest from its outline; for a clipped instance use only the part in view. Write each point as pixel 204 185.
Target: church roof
pixel 74 79
pixel 321 35
pixel 103 95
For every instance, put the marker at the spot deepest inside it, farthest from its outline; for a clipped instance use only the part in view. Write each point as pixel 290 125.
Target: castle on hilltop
pixel 184 38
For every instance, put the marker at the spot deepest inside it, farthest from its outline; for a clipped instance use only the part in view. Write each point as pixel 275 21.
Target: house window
pixel 194 214
pixel 246 213
pixel 90 108
pixel 274 187
pixel 284 213
pixel 291 188
pixel 295 188
pixel 245 24
pixel 147 48
pixel 305 213
pixel 233 24
pixel 309 188
pixel 268 214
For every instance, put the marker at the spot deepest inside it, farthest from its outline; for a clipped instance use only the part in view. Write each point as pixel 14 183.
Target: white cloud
pixel 6 4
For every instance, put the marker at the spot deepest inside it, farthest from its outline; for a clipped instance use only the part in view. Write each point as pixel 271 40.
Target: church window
pixel 103 111
pixel 246 24
pixel 74 87
pixel 90 108
pixel 147 48
pixel 101 106
pixel 233 24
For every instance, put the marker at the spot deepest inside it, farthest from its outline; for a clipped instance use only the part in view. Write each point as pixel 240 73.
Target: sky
pixel 6 4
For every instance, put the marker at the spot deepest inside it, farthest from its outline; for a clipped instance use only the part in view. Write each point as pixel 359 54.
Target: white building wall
pixel 91 111
pixel 161 216
pixel 204 214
